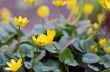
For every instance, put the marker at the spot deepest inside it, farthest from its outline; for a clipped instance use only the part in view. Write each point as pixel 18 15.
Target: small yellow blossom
pixel 107 50
pixel 90 30
pixel 96 26
pixel 21 22
pixel 88 8
pixel 105 4
pixel 93 49
pixel 99 17
pixel 71 4
pixel 30 1
pixel 102 42
pixel 43 11
pixel 59 3
pixel 5 14
pixel 13 65
pixel 43 39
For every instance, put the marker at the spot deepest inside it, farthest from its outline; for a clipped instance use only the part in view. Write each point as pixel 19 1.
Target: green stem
pixel 106 70
pixel 66 67
pixel 80 13
pixel 33 61
pixel 58 13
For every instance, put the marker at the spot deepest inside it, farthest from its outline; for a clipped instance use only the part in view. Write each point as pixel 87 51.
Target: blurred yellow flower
pixel 90 31
pixel 21 22
pixel 99 17
pixel 5 14
pixel 107 50
pixel 43 39
pixel 59 3
pixel 43 11
pixel 75 10
pixel 30 1
pixel 102 42
pixel 93 49
pixel 96 26
pixel 71 4
pixel 105 4
pixel 88 8
pixel 13 65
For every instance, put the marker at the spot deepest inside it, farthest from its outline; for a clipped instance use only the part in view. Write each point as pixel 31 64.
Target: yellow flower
pixel 59 3
pixel 107 50
pixel 30 1
pixel 75 10
pixel 43 39
pixel 105 4
pixel 102 42
pixel 71 4
pixel 88 8
pixel 21 22
pixel 5 14
pixel 90 31
pixel 13 65
pixel 99 17
pixel 93 49
pixel 96 26
pixel 43 11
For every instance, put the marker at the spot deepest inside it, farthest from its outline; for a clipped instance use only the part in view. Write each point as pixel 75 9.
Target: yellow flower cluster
pixel 59 3
pixel 13 65
pixel 105 4
pixel 102 42
pixel 43 11
pixel 88 8
pixel 43 39
pixel 21 22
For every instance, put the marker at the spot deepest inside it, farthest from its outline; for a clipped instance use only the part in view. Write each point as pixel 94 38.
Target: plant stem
pixel 80 13
pixel 58 13
pixel 66 67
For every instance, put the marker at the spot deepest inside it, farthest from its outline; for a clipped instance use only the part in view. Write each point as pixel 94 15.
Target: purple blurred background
pixel 20 8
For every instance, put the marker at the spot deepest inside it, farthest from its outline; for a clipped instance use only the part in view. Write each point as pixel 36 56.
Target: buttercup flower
pixel 43 39
pixel 99 17
pixel 30 1
pixel 43 11
pixel 59 3
pixel 96 26
pixel 75 10
pixel 13 65
pixel 21 22
pixel 5 14
pixel 105 4
pixel 93 49
pixel 71 4
pixel 102 42
pixel 107 50
pixel 90 31
pixel 88 8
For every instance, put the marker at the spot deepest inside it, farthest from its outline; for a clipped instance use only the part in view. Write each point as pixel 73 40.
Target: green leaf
pixel 67 57
pixel 90 58
pixel 38 29
pixel 40 67
pixel 3 59
pixel 28 65
pixel 50 48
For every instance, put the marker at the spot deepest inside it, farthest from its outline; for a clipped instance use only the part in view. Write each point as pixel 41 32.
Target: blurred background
pixel 20 8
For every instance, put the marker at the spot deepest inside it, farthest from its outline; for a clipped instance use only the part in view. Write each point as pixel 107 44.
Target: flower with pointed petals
pixel 59 3
pixel 21 22
pixel 43 39
pixel 13 65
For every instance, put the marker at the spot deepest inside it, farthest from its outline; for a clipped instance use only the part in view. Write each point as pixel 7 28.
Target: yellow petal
pixel 13 61
pixel 19 61
pixel 7 68
pixel 9 64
